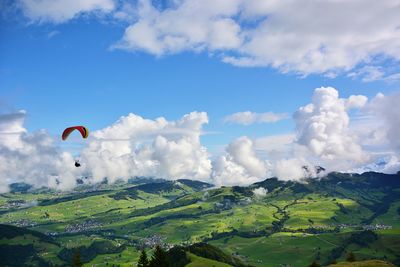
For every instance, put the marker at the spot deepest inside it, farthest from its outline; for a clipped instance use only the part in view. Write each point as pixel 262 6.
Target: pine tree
pixel 159 258
pixel 143 261
pixel 351 257
pixel 76 260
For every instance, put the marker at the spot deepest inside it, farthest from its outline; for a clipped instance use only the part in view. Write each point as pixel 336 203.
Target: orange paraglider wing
pixel 82 129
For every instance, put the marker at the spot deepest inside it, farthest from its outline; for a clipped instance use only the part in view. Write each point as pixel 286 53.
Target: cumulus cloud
pixel 273 33
pixel 290 169
pixel 260 192
pixel 32 158
pixel 246 162
pixel 193 25
pixel 356 101
pixel 386 110
pixel 322 127
pixel 247 117
pixel 58 11
pixel 378 127
pixel 324 137
pixel 240 165
pixel 134 146
pixel 11 129
pixel 242 152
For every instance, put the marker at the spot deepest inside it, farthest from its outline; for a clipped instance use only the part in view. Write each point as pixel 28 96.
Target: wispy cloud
pixel 248 117
pixel 368 73
pixel 60 11
pixel 52 34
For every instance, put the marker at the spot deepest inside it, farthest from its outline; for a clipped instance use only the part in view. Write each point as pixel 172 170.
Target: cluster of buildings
pixel 152 241
pixel 82 227
pixel 13 204
pixel 376 226
pixel 155 240
pixel 24 223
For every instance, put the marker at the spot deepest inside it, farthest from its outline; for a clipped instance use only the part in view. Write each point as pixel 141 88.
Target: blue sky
pixel 74 77
pixel 71 62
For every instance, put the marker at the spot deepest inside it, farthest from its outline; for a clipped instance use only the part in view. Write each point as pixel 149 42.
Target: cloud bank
pixel 323 137
pixel 172 149
pixel 134 146
pixel 32 158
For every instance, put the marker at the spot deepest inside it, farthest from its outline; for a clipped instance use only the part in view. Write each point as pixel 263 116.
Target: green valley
pixel 293 224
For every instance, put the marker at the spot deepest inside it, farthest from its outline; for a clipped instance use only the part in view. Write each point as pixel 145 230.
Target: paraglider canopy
pixel 82 129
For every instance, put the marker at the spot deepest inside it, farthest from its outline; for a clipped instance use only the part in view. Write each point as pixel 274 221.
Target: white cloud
pixel 240 165
pixel 393 77
pixel 242 152
pixel 274 142
pixel 260 192
pixel 368 73
pixel 370 131
pixel 227 172
pixel 32 158
pixel 378 126
pixel 323 129
pixel 324 137
pixel 247 117
pixel 134 146
pixel 386 110
pixel 388 164
pixel 194 25
pixel 127 12
pixel 11 129
pixel 52 34
pixel 59 11
pixel 356 101
pixel 274 146
pixel 274 33
pixel 252 33
pixel 291 169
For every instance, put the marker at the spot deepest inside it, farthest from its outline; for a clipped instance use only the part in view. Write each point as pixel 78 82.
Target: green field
pixel 293 224
pixel 201 262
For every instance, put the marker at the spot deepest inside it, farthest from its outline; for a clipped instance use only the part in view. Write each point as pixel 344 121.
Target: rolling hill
pixel 294 223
